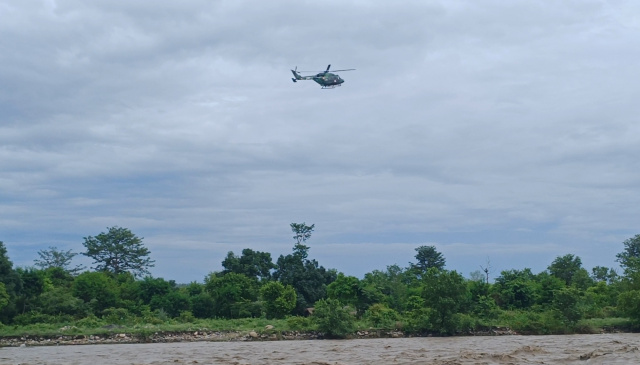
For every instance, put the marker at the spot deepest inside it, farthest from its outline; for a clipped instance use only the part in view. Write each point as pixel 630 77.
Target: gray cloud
pixel 502 129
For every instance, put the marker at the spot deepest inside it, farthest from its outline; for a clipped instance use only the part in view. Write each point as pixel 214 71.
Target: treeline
pixel 424 297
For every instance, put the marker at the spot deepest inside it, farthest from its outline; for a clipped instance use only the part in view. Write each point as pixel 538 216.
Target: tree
pixel 428 257
pixel 13 285
pixel 234 295
pixel 629 259
pixel 391 284
pixel 565 268
pixel 515 289
pixel 52 258
pixel 302 234
pixel 117 251
pixel 445 292
pixel 254 264
pixel 4 296
pixel 98 289
pixel 307 277
pixel 602 273
pixel 279 300
pixel 566 302
pixel 333 319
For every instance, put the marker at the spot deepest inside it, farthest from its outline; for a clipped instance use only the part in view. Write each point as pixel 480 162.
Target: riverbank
pixel 266 334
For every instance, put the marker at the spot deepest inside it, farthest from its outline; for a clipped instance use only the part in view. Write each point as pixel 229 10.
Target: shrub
pixel 333 319
pixel 379 315
pixel 115 315
pixel 298 323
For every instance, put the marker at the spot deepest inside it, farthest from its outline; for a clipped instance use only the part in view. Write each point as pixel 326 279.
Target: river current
pixel 619 348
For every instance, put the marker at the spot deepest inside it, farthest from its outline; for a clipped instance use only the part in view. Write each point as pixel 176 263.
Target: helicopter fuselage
pixel 328 79
pixel 325 78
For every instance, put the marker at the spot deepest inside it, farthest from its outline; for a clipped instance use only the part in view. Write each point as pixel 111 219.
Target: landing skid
pixel 330 86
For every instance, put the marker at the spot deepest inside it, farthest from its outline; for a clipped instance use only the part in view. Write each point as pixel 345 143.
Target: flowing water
pixel 572 349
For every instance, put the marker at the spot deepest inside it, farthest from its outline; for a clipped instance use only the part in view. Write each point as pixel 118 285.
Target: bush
pixel 333 319
pixel 90 321
pixel 298 323
pixel 186 317
pixel 534 323
pixel 379 315
pixel 418 320
pixel 37 317
pixel 115 315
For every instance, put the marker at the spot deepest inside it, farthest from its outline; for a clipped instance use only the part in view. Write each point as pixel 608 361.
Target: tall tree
pixel 629 259
pixel 54 258
pixel 13 285
pixel 307 277
pixel 565 268
pixel 253 264
pixel 428 257
pixel 117 251
pixel 446 293
pixel 602 273
pixel 302 234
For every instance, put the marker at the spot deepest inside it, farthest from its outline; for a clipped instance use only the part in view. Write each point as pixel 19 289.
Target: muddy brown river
pixel 573 349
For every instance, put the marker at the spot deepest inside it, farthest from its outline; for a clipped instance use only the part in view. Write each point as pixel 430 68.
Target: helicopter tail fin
pixel 296 75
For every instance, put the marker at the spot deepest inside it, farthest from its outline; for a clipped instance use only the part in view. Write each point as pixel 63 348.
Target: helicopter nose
pixel 340 81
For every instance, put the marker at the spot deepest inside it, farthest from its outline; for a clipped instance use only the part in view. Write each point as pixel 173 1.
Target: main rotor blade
pixel 328 68
pixel 349 69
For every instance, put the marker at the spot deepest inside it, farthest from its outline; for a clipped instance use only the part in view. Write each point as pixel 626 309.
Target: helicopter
pixel 325 78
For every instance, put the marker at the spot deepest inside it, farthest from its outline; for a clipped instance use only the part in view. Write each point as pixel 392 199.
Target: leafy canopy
pixel 118 251
pixel 54 258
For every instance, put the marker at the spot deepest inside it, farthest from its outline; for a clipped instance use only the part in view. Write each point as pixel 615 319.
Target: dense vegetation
pixel 424 297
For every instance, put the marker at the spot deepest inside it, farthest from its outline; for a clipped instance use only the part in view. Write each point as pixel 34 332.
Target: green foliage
pixel 253 264
pixel 515 289
pixel 428 257
pixel 173 303
pixel 629 259
pixel 34 317
pixel 278 300
pixel 90 321
pixel 302 232
pixel 344 289
pixel 565 267
pixel 629 304
pixel 54 258
pixel 548 285
pixel 117 251
pixel 298 323
pixel 116 316
pixel 567 302
pixel 419 320
pixel 13 285
pixel 233 295
pixel 389 287
pixel 307 277
pixel 333 319
pixel 151 287
pixel 4 296
pixel 445 292
pixel 381 316
pixel 61 301
pixel 486 308
pixel 202 306
pixel 530 322
pixel 97 289
pixel 186 317
pixel 601 273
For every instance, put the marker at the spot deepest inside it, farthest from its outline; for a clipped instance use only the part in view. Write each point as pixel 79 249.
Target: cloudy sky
pixel 499 131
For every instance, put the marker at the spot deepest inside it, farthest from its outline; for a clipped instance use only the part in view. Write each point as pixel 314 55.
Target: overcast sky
pixel 498 131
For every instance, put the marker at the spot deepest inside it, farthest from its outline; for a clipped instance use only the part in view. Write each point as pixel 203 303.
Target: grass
pixel 520 322
pixel 75 328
